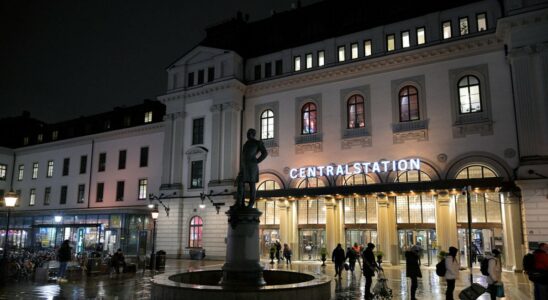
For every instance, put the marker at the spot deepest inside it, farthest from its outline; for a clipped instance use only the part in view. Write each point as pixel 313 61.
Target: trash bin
pixel 93 266
pixel 160 260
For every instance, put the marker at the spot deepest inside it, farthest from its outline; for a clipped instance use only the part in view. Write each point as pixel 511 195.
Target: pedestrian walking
pixel 495 273
pixel 118 260
pixel 63 255
pixel 452 267
pixel 278 249
pixel 541 268
pixel 287 254
pixel 358 249
pixel 338 258
pixel 352 256
pixel 412 269
pixel 369 268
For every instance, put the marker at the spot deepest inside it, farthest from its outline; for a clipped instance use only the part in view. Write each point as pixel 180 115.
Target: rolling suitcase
pixel 472 292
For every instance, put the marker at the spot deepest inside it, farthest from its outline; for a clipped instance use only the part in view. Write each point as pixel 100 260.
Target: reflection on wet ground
pixel 137 285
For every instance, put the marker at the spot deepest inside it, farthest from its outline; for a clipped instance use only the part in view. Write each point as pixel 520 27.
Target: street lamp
pixel 154 213
pixel 10 199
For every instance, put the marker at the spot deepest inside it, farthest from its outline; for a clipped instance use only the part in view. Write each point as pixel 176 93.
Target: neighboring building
pixel 432 91
pixel 86 180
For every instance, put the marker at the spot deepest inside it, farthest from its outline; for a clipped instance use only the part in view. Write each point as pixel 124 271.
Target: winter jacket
pixel 494 269
pixel 369 263
pixel 63 255
pixel 453 266
pixel 338 255
pixel 412 267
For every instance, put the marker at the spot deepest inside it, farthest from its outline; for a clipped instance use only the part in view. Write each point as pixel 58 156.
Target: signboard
pixel 356 168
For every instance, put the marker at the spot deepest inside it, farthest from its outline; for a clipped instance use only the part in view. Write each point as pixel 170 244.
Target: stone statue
pixel 249 168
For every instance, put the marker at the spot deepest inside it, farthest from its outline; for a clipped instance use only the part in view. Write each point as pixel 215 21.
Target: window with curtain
pixel 267 125
pixel 309 119
pixel 196 230
pixel 409 104
pixel 469 95
pixel 355 112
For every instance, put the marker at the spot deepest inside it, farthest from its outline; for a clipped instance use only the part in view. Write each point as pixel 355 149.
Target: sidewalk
pixel 137 285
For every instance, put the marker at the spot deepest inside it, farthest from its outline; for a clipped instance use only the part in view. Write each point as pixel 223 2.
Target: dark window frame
pixel 47 196
pixel 468 87
pixel 63 195
pixel 190 79
pixel 210 74
pixel 394 36
pixel 355 100
pixel 66 166
pixel 197 173
pixel 100 192
pixel 198 131
pixel 102 162
pixel 257 70
pixel 266 119
pixel 122 159
pixel 143 157
pixel 120 187
pixel 81 195
pixel 83 164
pixel 278 67
pixel 268 70
pixel 401 95
pixel 308 108
pixel 201 76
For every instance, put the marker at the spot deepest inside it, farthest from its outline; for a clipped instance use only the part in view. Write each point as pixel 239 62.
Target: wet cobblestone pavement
pixel 137 285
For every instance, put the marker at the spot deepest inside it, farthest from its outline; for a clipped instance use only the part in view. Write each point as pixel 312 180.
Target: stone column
pixel 446 222
pixel 293 231
pixel 242 266
pixel 341 234
pixel 512 234
pixel 386 229
pixel 284 220
pixel 330 225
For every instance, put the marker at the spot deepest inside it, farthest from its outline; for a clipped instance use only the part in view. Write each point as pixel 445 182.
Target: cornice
pixel 421 56
pixel 206 89
pixel 505 25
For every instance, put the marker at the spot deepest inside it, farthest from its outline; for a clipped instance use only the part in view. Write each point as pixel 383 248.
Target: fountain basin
pixel 204 285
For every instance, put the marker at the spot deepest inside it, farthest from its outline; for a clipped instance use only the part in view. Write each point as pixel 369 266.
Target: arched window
pixel 309 118
pixel 268 185
pixel 355 112
pixel 412 176
pixel 409 104
pixel 267 125
pixel 196 229
pixel 310 183
pixel 358 179
pixel 475 171
pixel 469 95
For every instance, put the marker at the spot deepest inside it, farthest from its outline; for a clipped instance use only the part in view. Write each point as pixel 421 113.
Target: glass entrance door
pixel 267 238
pixel 311 241
pixel 424 239
pixel 483 243
pixel 360 236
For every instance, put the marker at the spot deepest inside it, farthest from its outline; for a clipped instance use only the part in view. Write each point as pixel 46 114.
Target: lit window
pixel 367 47
pixel 270 210
pixel 482 22
pixel 421 38
pixel 405 39
pixel 341 55
pixel 47 194
pixel 360 210
pixel 3 171
pixel 20 172
pixel 40 138
pixel 143 189
pixel 354 50
pixel 463 26
pixel 469 95
pixel 312 182
pixel 475 171
pixel 34 170
pixel 308 118
pixel 81 193
pixel 309 60
pixel 446 30
pixel 148 117
pixel 355 112
pixel 297 63
pixel 409 104
pixel 32 197
pixel 196 174
pixel 390 42
pixel 321 58
pixel 196 229
pixel 412 176
pixel 267 125
pixel 311 211
pixel 357 179
pixel 54 135
pixel 415 209
pixel 50 169
pixel 268 185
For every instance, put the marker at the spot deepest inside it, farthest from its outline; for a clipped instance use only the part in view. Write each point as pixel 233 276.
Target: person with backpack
pixel 338 257
pixel 491 267
pixel 412 269
pixel 452 267
pixel 278 249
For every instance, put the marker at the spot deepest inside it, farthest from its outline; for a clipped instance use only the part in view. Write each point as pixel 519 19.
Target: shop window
pixel 309 118
pixel 270 210
pixel 196 230
pixel 469 95
pixel 355 112
pixel 268 185
pixel 409 104
pixel 360 210
pixel 267 125
pixel 311 211
pixel 3 171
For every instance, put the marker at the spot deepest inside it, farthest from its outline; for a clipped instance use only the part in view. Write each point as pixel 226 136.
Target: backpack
pixel 529 263
pixel 484 266
pixel 440 268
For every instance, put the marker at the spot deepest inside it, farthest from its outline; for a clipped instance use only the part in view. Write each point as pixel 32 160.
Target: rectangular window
pixel 102 162
pixel 32 197
pixel 446 27
pixel 143 189
pixel 463 26
pixel 122 159
pixel 367 48
pixel 405 43
pixel 309 60
pixel 482 21
pixel 279 67
pixel 268 70
pixel 390 42
pixel 341 53
pixel 196 174
pixel 148 117
pixel 83 163
pixel 190 79
pixel 81 193
pixel 3 171
pixel 54 135
pixel 40 138
pixel 354 50
pixel 198 131
pixel 63 197
pixel 210 74
pixel 50 169
pixel 35 170
pixel 20 172
pixel 201 76
pixel 66 166
pixel 100 192
pixel 421 38
pixel 297 63
pixel 47 194
pixel 321 58
pixel 257 72
pixel 143 160
pixel 120 191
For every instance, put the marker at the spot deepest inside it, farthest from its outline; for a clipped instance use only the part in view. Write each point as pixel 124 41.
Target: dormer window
pixel 148 117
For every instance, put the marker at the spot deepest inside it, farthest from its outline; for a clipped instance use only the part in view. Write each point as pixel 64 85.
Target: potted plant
pixel 323 253
pixel 272 253
pixel 441 255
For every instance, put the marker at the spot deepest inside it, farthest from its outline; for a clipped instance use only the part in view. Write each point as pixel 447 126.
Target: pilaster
pixel 513 241
pixel 446 222
pixel 534 195
pixel 330 224
pixel 386 229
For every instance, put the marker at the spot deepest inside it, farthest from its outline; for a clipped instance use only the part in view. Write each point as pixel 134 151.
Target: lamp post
pixel 154 214
pixel 10 199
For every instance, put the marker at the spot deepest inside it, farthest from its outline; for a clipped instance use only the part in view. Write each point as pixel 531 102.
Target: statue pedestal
pixel 242 266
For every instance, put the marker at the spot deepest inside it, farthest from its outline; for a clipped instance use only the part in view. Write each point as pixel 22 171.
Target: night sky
pixel 63 59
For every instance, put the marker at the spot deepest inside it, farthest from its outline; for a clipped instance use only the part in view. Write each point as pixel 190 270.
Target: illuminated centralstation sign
pixel 356 168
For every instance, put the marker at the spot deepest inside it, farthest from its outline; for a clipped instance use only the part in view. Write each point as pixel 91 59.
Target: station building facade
pixel 374 128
